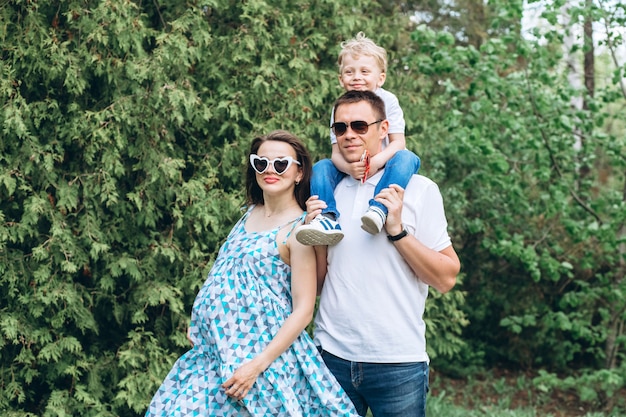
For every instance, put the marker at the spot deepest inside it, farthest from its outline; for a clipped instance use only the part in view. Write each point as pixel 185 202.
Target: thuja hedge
pixel 124 132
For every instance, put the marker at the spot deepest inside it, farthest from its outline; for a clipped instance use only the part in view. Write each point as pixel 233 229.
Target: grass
pixel 444 406
pixel 502 393
pixel 505 394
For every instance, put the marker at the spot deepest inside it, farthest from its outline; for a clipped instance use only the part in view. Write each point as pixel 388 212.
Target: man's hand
pixel 392 198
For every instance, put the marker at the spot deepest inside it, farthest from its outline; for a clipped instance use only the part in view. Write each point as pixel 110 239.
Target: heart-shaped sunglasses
pixel 279 165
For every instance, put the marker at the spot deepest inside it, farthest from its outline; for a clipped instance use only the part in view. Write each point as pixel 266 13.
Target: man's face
pixel 352 144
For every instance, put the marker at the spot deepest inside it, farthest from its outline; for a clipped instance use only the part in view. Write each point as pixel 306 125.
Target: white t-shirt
pixel 395 116
pixel 372 303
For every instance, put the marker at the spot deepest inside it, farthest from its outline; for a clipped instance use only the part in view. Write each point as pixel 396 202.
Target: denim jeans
pixel 398 170
pixel 323 182
pixel 388 389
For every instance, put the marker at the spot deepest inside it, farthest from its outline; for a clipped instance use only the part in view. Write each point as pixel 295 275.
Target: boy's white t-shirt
pixel 395 116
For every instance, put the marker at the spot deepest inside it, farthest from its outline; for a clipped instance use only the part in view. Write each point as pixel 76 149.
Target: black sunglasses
pixel 261 163
pixel 358 126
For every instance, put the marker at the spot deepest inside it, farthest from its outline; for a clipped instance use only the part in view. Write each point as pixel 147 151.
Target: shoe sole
pixel 369 226
pixel 317 238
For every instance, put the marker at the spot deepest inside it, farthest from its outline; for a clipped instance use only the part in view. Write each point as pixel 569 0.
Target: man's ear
pixel 384 129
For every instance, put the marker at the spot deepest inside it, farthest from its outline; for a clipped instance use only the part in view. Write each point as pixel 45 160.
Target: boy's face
pixel 361 73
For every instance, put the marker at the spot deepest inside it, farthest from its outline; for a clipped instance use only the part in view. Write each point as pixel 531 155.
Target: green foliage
pixel 597 388
pixel 535 187
pixel 445 322
pixel 124 130
pixel 489 394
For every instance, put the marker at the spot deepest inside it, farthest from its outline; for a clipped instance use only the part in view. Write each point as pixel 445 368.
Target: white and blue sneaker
pixel 322 231
pixel 373 220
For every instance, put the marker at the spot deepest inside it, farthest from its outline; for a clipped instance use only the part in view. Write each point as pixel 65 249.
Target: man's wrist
pixel 394 238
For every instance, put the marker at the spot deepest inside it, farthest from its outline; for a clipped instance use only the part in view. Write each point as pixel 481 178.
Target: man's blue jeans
pixel 388 389
pixel 398 170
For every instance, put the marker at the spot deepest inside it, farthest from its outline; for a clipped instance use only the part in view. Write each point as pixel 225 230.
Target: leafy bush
pixel 124 132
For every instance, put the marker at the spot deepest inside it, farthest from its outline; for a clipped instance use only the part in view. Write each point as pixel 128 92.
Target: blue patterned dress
pixel 244 301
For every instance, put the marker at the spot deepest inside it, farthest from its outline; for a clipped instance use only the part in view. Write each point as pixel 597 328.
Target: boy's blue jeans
pixel 388 389
pixel 398 170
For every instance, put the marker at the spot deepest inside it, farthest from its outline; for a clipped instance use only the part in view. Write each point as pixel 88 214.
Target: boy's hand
pixel 376 164
pixel 360 170
pixel 365 158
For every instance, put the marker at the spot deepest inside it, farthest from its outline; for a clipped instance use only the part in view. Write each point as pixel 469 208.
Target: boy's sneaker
pixel 322 231
pixel 373 220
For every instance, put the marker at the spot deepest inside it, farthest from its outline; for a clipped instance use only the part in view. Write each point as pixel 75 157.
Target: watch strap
pixel 399 236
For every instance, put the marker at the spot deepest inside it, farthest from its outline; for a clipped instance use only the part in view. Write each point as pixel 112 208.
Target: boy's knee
pixel 406 156
pixel 405 159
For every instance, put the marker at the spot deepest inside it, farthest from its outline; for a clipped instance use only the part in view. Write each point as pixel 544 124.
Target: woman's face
pixel 270 181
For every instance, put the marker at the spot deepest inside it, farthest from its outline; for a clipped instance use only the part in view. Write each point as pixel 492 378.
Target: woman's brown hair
pixel 302 190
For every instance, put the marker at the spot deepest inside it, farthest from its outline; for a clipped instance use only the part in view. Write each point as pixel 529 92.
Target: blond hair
pixel 360 45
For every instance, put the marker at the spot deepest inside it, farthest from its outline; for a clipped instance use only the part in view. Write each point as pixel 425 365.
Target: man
pixel 369 323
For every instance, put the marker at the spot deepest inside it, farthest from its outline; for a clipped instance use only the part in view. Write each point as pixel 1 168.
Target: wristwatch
pixel 399 236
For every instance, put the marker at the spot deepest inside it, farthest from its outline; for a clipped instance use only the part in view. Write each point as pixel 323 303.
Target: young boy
pixel 362 66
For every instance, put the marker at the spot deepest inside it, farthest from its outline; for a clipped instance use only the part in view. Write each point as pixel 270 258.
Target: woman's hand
pixel 189 335
pixel 238 385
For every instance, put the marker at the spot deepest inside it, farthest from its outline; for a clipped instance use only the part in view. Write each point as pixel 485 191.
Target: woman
pixel 251 355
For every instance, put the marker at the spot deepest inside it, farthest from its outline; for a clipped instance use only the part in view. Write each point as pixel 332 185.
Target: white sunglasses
pixel 261 163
